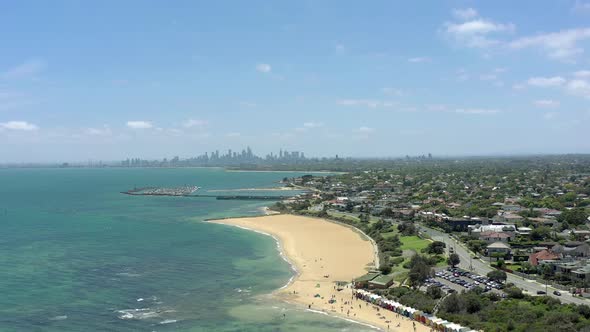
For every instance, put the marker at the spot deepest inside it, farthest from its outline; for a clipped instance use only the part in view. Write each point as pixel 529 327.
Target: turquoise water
pixel 76 255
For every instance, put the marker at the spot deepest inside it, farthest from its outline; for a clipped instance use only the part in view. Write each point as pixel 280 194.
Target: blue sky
pixel 115 79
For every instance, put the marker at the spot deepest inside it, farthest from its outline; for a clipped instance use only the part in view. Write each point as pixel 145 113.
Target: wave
pixel 168 321
pixel 59 317
pixel 141 313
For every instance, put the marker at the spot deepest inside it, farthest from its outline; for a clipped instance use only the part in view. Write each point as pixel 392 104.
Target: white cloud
pixel 474 33
pixel 104 131
pixel 194 123
pixel 582 73
pixel 365 130
pixel 436 107
pixel 139 124
pixel 479 26
pixel 18 125
pixel 478 111
pixel 549 115
pixel 546 103
pixel 26 69
pixel 312 124
pixel 488 77
pixel 518 86
pixel 263 67
pixel 392 91
pixel 366 103
pixel 578 88
pixel 419 59
pixel 562 45
pixel 464 14
pixel 546 81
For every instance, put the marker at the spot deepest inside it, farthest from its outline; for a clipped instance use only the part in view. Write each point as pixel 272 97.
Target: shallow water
pixel 75 254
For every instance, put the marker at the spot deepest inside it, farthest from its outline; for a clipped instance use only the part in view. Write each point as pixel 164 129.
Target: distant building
pixel 498 248
pixel 543 255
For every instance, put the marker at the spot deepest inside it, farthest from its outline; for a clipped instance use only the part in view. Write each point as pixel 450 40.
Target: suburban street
pixel 481 267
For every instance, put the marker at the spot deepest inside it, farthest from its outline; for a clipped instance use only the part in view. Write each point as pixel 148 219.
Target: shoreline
pixel 345 254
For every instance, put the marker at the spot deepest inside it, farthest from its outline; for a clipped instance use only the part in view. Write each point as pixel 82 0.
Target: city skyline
pixel 452 78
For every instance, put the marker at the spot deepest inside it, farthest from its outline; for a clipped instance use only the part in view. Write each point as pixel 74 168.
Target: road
pixel 481 267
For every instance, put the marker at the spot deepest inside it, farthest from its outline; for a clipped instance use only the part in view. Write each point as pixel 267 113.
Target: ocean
pixel 77 255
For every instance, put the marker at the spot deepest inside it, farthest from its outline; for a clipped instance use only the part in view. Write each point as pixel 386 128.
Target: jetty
pixel 155 191
pixel 189 191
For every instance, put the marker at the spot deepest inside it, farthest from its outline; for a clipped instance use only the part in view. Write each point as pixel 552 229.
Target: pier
pixel 189 192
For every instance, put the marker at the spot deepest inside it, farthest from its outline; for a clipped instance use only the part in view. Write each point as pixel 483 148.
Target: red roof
pixel 542 256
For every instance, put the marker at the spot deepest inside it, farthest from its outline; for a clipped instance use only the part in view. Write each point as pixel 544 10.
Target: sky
pixel 109 80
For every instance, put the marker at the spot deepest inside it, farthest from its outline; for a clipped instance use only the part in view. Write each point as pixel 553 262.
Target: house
pixel 582 273
pixel 476 230
pixel 524 231
pixel 492 236
pixel 363 281
pixel 573 249
pixel 498 248
pixel 544 221
pixel 381 282
pixel 543 255
pixel 566 268
pixel 460 224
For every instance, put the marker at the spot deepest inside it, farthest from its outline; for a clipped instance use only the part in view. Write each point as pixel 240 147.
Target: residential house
pixel 573 249
pixel 491 236
pixel 543 255
pixel 498 248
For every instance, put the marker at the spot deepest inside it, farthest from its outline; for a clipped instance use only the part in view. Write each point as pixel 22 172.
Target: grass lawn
pixel 513 267
pixel 342 215
pixel 387 235
pixel 413 243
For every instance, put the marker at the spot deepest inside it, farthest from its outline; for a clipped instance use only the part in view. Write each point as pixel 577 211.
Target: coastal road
pixel 482 267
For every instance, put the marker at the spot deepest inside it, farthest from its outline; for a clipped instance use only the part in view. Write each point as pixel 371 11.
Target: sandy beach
pixel 323 253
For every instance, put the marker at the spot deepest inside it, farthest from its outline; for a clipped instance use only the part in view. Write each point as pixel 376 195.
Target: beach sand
pixel 324 252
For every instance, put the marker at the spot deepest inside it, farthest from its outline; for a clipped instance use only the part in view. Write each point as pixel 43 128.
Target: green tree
pixel 434 292
pixel 497 275
pixel 453 260
pixel 419 271
pixel 577 216
pixel 540 233
pixel 436 248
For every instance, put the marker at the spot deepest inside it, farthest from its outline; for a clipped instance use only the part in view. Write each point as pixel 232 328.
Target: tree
pixel 575 216
pixel 514 292
pixel 540 233
pixel 434 292
pixel 453 260
pixel 452 303
pixel 419 271
pixel 364 218
pixel 436 248
pixel 497 275
pixel 547 271
pixel 407 228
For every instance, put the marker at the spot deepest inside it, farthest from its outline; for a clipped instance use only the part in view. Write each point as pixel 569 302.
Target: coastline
pixel 320 253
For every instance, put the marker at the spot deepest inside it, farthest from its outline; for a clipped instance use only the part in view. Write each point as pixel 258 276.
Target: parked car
pixel 558 293
pixel 540 292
